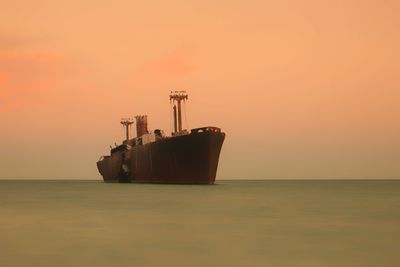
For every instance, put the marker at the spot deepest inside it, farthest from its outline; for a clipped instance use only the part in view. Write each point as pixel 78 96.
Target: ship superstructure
pixel 189 157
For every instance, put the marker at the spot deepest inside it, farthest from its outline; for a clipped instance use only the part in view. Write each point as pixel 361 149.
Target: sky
pixel 302 89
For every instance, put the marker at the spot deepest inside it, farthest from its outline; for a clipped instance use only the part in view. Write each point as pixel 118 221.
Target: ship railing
pixel 183 132
pixel 206 129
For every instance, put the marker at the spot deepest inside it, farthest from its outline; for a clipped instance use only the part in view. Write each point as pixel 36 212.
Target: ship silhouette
pixel 152 157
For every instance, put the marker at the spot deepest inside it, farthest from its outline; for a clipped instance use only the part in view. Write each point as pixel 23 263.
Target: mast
pixel 179 116
pixel 177 97
pixel 126 123
pixel 175 125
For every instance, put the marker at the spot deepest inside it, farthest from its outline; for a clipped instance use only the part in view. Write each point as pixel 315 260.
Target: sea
pixel 277 223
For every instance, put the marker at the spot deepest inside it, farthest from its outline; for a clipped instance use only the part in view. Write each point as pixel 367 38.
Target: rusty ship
pixel 184 157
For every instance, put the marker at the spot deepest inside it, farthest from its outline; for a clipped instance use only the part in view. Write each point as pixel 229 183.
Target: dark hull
pixel 186 159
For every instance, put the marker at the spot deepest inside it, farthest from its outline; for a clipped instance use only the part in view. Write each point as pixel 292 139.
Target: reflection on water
pixel 234 223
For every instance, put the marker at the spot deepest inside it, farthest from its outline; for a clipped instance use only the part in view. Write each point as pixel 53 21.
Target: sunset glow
pixel 303 89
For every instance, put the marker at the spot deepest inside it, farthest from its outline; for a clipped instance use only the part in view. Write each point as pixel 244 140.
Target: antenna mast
pixel 126 123
pixel 177 97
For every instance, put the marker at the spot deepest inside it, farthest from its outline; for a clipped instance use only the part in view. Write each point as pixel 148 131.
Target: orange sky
pixel 303 89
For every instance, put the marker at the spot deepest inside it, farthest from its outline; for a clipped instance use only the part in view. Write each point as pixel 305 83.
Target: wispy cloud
pixel 175 65
pixel 25 75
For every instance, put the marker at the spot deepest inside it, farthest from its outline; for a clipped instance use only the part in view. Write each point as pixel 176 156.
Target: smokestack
pixel 141 125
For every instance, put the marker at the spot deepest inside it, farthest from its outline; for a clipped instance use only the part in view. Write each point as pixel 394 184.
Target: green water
pixel 234 223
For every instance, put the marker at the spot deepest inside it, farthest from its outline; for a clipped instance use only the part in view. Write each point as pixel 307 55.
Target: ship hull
pixel 186 159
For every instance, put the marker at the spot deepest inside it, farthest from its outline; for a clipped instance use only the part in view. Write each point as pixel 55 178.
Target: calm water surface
pixel 235 223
